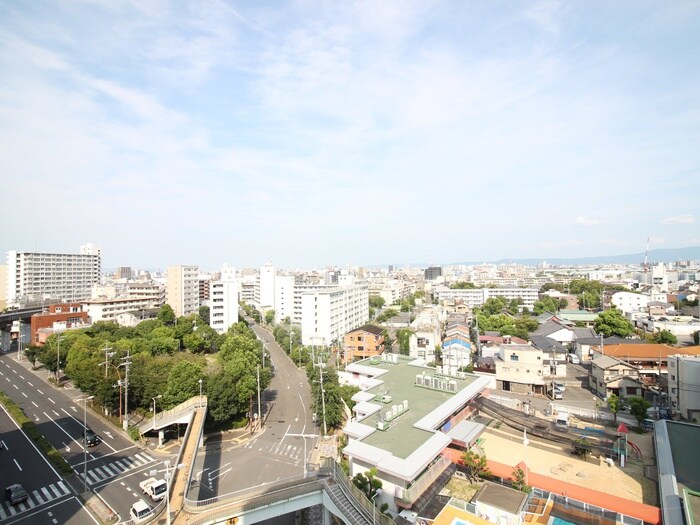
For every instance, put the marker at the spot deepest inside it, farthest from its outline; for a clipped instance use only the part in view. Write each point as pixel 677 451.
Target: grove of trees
pixel 168 356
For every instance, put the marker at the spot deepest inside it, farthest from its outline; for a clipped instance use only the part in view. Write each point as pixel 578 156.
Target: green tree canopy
pixel 638 408
pixel 183 383
pixel 664 337
pixel 614 403
pixel 375 301
pixel 166 315
pixel 612 322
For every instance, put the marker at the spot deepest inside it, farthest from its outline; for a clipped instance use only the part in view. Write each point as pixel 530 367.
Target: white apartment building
pixel 34 276
pixel 328 312
pixel 425 335
pixel 107 309
pixel 478 296
pixel 146 289
pixel 265 288
pixel 182 289
pixel 524 369
pixel 684 386
pixel 628 302
pixel 284 298
pixel 223 300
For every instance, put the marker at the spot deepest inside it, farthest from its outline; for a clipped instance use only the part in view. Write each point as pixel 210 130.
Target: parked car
pixel 16 494
pixel 574 360
pixel 559 385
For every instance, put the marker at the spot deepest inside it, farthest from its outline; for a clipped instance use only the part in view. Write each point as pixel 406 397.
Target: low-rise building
pixel 525 369
pixel 684 386
pixel 365 341
pixel 610 375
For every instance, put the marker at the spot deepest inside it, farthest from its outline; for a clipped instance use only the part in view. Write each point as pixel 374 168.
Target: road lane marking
pixel 14 386
pixel 64 431
pixel 30 384
pixel 38 497
pixel 33 403
pixel 80 423
pixel 54 402
pixel 57 414
pixel 40 391
pixel 25 395
pixel 22 377
pixel 20 468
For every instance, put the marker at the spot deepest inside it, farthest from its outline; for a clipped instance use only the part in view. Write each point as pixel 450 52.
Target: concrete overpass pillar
pixel 161 437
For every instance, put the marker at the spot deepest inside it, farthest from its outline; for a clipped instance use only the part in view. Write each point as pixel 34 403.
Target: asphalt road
pixel 114 467
pixel 51 499
pixel 279 451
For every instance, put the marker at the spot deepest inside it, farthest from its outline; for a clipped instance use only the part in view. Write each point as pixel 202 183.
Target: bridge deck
pixel 181 477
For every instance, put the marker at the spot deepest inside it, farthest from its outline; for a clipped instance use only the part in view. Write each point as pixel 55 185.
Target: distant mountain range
pixel 657 255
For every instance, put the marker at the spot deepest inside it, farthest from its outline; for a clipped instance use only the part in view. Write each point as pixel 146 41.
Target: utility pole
pixel 58 355
pixel 260 409
pixel 106 350
pixel 126 363
pixel 323 399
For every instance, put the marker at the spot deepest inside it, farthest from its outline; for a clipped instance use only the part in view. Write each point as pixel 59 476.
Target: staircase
pixel 345 505
pixel 178 414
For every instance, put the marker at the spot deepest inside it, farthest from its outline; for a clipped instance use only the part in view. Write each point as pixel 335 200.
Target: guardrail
pixel 166 417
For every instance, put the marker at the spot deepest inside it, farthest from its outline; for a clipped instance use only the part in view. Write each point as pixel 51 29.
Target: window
pixel 514 357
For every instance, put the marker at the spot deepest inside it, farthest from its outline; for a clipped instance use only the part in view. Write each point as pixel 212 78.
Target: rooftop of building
pixel 411 437
pixel 646 351
pixel 369 328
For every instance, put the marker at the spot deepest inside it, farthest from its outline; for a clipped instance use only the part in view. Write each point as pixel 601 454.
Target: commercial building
pixel 108 309
pixel 405 417
pixel 223 309
pixel 182 289
pixel 57 317
pixel 39 276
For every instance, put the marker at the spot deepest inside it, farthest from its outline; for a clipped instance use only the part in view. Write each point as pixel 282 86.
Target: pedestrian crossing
pixel 35 498
pixel 115 468
pixel 291 451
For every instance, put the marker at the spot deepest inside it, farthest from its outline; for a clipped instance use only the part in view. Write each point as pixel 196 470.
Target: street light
pixel 167 484
pixel 154 409
pixel 84 400
pixel 200 390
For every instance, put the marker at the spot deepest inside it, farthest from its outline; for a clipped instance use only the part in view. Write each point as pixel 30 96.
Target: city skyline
pixel 311 134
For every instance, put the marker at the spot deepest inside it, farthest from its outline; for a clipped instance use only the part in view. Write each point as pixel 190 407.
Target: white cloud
pixel 589 221
pixel 679 219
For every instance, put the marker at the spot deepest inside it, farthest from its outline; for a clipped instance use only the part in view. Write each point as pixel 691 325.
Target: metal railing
pixel 166 417
pixel 420 485
pixel 357 497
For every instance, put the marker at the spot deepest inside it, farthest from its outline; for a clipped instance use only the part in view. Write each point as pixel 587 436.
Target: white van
pixel 574 360
pixel 562 421
pixel 140 511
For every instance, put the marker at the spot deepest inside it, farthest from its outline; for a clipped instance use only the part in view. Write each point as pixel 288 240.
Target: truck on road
pixel 154 488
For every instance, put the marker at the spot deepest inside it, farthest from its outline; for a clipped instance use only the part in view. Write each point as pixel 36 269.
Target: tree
pixel 183 383
pixel 664 337
pixel 403 336
pixel 368 482
pixel 615 404
pixel 375 301
pixel 519 481
pixel 476 465
pixel 463 285
pixel 203 313
pixel 612 322
pixel 638 408
pixel 269 316
pixel 582 447
pixel 166 315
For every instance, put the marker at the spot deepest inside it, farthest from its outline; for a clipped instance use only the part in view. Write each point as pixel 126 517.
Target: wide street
pixel 114 467
pixel 279 451
pixel 50 499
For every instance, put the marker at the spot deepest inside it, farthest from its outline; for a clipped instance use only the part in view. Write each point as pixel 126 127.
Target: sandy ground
pixel 505 446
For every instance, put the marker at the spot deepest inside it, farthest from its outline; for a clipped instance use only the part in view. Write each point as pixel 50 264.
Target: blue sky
pixel 317 133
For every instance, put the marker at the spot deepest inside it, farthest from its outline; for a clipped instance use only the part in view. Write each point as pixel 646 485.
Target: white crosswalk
pixel 293 451
pixel 115 468
pixel 37 497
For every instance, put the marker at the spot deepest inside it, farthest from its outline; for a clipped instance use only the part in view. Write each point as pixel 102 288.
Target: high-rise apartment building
pixel 330 312
pixel 182 289
pixel 38 276
pixel 223 300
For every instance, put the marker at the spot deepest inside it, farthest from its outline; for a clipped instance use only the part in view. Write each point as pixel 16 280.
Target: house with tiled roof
pixel 560 331
pixel 610 375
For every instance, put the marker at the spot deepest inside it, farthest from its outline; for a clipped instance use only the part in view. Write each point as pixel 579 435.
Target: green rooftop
pixel 402 438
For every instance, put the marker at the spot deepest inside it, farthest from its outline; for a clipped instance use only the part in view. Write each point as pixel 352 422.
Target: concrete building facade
pixel 182 289
pixel 328 313
pixel 37 276
pixel 684 386
pixel 223 300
